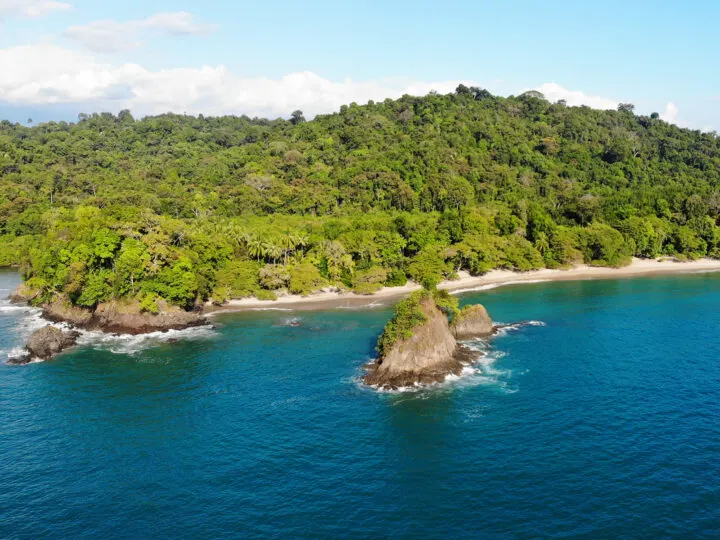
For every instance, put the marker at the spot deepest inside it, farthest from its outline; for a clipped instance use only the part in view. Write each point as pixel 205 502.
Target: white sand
pixel 322 300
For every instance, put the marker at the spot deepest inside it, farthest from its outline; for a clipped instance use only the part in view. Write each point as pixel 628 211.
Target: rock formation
pixel 119 317
pixel 418 345
pixel 46 343
pixel 472 322
pixel 60 309
pixel 23 294
pixel 128 318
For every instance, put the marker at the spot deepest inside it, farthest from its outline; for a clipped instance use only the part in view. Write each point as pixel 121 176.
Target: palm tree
pixel 288 245
pixel 301 240
pixel 273 250
pixel 256 248
pixel 541 243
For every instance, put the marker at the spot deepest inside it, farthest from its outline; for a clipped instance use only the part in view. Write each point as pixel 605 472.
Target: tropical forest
pixel 191 210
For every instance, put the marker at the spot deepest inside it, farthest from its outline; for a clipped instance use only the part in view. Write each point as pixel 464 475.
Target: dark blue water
pixel 603 423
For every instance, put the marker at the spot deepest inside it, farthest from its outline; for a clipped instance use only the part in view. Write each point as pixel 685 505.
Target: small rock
pixel 472 322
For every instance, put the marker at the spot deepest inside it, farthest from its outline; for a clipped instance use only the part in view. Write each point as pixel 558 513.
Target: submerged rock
pixel 45 343
pixel 472 322
pixel 427 355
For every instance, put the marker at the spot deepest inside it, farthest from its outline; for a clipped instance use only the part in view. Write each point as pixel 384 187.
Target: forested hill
pixel 191 209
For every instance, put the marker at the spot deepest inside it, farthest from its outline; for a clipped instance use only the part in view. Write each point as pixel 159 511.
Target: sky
pixel 62 57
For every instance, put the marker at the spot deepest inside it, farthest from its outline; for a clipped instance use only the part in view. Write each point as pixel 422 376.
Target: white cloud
pixel 110 36
pixel 671 113
pixel 45 74
pixel 554 92
pixel 30 8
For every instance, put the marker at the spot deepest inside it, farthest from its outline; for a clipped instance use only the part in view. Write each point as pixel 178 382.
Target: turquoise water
pixel 603 422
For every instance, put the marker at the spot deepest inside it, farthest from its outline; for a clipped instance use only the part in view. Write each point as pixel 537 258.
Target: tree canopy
pixel 191 209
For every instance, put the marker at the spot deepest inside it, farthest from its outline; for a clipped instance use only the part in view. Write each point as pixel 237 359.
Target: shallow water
pixel 603 422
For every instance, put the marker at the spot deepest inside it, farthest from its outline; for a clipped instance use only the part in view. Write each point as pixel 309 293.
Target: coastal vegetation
pixel 183 210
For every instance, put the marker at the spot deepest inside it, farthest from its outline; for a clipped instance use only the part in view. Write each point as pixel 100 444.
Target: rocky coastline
pixel 115 317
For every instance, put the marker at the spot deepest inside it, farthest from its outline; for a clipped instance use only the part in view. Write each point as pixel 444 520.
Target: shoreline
pixel 467 283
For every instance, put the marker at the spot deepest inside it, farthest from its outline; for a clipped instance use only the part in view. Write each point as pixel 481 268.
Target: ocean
pixel 600 419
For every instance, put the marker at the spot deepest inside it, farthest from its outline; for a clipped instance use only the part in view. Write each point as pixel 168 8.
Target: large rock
pixel 472 322
pixel 47 342
pixel 62 310
pixel 428 356
pixel 128 318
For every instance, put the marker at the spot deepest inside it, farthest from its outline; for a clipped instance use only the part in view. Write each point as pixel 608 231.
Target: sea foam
pixel 132 345
pixel 30 319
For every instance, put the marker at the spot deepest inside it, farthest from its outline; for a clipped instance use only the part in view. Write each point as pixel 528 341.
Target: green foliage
pixel 369 281
pixel 176 283
pixel 11 249
pixel 446 302
pixel 305 278
pixel 274 276
pixel 265 295
pixel 605 246
pixel 408 314
pixel 148 303
pixel 179 207
pixel 236 279
pixel 429 267
pixel 396 278
pixel 96 288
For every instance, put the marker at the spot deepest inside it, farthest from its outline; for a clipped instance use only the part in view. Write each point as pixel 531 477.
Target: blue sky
pixel 60 57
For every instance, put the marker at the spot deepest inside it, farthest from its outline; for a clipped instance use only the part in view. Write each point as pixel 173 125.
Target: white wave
pixel 503 329
pixel 16 352
pixel 268 309
pixel 14 309
pixel 131 345
pixel 291 322
pixel 31 319
pixel 489 286
pixel 371 305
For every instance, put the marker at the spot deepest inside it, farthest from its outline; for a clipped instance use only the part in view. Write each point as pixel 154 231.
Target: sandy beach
pixel 467 283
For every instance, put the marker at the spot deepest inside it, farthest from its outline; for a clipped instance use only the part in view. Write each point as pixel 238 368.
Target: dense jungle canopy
pixel 191 209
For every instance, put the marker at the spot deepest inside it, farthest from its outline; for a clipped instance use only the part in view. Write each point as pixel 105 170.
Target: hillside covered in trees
pixel 191 209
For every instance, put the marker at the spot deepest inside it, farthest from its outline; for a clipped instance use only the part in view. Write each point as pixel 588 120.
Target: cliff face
pixel 428 356
pixel 472 322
